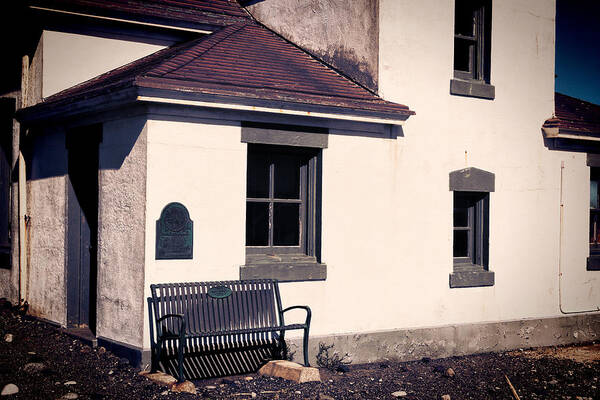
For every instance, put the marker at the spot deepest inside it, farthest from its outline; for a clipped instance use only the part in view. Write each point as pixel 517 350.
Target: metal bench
pixel 217 316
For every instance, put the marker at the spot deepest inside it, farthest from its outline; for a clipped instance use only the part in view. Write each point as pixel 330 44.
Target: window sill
pixel 284 268
pixel 470 276
pixel 472 88
pixel 593 263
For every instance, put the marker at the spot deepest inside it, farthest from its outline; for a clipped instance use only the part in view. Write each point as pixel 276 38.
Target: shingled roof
pixel 573 119
pixel 243 64
pixel 189 13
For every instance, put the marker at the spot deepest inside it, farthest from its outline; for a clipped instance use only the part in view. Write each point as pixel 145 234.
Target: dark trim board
pixel 478 89
pixel 138 358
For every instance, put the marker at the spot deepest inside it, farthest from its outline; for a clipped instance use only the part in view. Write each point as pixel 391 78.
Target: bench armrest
pixel 178 316
pixel 305 308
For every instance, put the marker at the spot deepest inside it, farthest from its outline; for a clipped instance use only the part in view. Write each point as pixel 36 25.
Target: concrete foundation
pixel 456 340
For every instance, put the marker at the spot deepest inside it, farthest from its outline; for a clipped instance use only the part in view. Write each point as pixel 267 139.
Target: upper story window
pixel 472 49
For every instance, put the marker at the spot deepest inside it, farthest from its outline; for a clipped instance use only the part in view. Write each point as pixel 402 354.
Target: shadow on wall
pixel 47 153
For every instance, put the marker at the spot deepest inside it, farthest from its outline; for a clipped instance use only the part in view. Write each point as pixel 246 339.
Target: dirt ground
pixel 44 363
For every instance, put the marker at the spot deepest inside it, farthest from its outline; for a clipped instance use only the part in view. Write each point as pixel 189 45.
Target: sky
pixel 578 49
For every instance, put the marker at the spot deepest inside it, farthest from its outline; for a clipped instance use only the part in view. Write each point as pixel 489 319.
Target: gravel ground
pixel 44 363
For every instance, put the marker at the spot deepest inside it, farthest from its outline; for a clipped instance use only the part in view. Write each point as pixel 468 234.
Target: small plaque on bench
pixel 219 292
pixel 174 233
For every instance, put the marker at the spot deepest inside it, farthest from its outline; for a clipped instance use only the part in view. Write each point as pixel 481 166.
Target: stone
pixel 248 378
pixel 70 396
pixel 445 397
pixel 210 387
pixel 400 393
pixel 186 386
pixel 9 389
pixel 159 377
pixel 290 371
pixel 8 337
pixel 253 395
pixel 322 396
pixel 34 368
pixel 69 383
pixel 450 373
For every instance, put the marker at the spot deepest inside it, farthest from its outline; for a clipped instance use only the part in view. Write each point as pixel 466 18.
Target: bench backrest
pixel 218 306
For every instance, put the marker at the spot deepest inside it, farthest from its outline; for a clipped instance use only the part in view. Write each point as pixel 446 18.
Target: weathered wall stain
pixel 345 37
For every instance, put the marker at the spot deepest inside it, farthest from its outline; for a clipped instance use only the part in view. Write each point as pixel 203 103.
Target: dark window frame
pixel 472 68
pixel 306 180
pixel 289 263
pixel 471 189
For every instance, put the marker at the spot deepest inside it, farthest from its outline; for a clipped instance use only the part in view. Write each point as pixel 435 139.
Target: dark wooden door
pixel 82 230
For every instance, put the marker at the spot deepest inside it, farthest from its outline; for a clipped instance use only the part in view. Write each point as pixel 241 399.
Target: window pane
pixel 461 217
pixel 594 194
pixel 286 224
pixel 287 177
pixel 464 21
pixel 463 55
pixel 461 243
pixel 258 176
pixel 257 224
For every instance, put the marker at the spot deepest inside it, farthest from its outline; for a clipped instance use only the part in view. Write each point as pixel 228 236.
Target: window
pixel 594 258
pixel 283 204
pixel 470 240
pixel 472 49
pixel 276 199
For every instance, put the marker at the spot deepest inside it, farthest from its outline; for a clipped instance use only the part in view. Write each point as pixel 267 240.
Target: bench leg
pixel 180 377
pixel 305 347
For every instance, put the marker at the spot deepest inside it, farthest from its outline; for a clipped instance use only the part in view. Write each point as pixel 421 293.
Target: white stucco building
pixel 404 172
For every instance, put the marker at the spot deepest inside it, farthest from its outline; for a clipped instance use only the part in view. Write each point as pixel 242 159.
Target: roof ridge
pixel 316 58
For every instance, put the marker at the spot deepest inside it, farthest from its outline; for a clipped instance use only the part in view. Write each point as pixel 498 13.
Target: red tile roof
pixel 245 64
pixel 176 12
pixel 575 116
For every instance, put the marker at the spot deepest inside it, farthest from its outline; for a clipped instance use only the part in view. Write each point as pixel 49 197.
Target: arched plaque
pixel 174 233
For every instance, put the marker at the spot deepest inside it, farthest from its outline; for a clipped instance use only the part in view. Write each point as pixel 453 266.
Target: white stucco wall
pixel 202 165
pixel 71 58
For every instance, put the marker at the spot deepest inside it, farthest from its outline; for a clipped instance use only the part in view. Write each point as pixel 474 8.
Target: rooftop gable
pixel 243 63
pixel 573 119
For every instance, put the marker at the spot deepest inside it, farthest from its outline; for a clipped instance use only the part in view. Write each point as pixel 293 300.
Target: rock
pixel 111 372
pixel 298 392
pixel 449 373
pixel 342 368
pixel 34 368
pixel 248 378
pixel 445 397
pixel 553 382
pixel 400 393
pixel 253 395
pixel 69 396
pixel 8 337
pixel 290 371
pixel 322 396
pixel 210 387
pixel 69 383
pixel 159 377
pixel 9 389
pixel 186 386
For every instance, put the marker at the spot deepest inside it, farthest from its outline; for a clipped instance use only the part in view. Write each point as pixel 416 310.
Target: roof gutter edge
pixel 280 111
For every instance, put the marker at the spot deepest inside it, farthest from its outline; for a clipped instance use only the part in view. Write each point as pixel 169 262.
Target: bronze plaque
pixel 219 292
pixel 174 233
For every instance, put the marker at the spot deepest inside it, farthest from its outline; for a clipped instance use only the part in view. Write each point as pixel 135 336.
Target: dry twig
pixel 512 388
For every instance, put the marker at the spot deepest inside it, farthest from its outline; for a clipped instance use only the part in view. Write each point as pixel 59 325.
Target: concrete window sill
pixel 472 88
pixel 470 276
pixel 285 268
